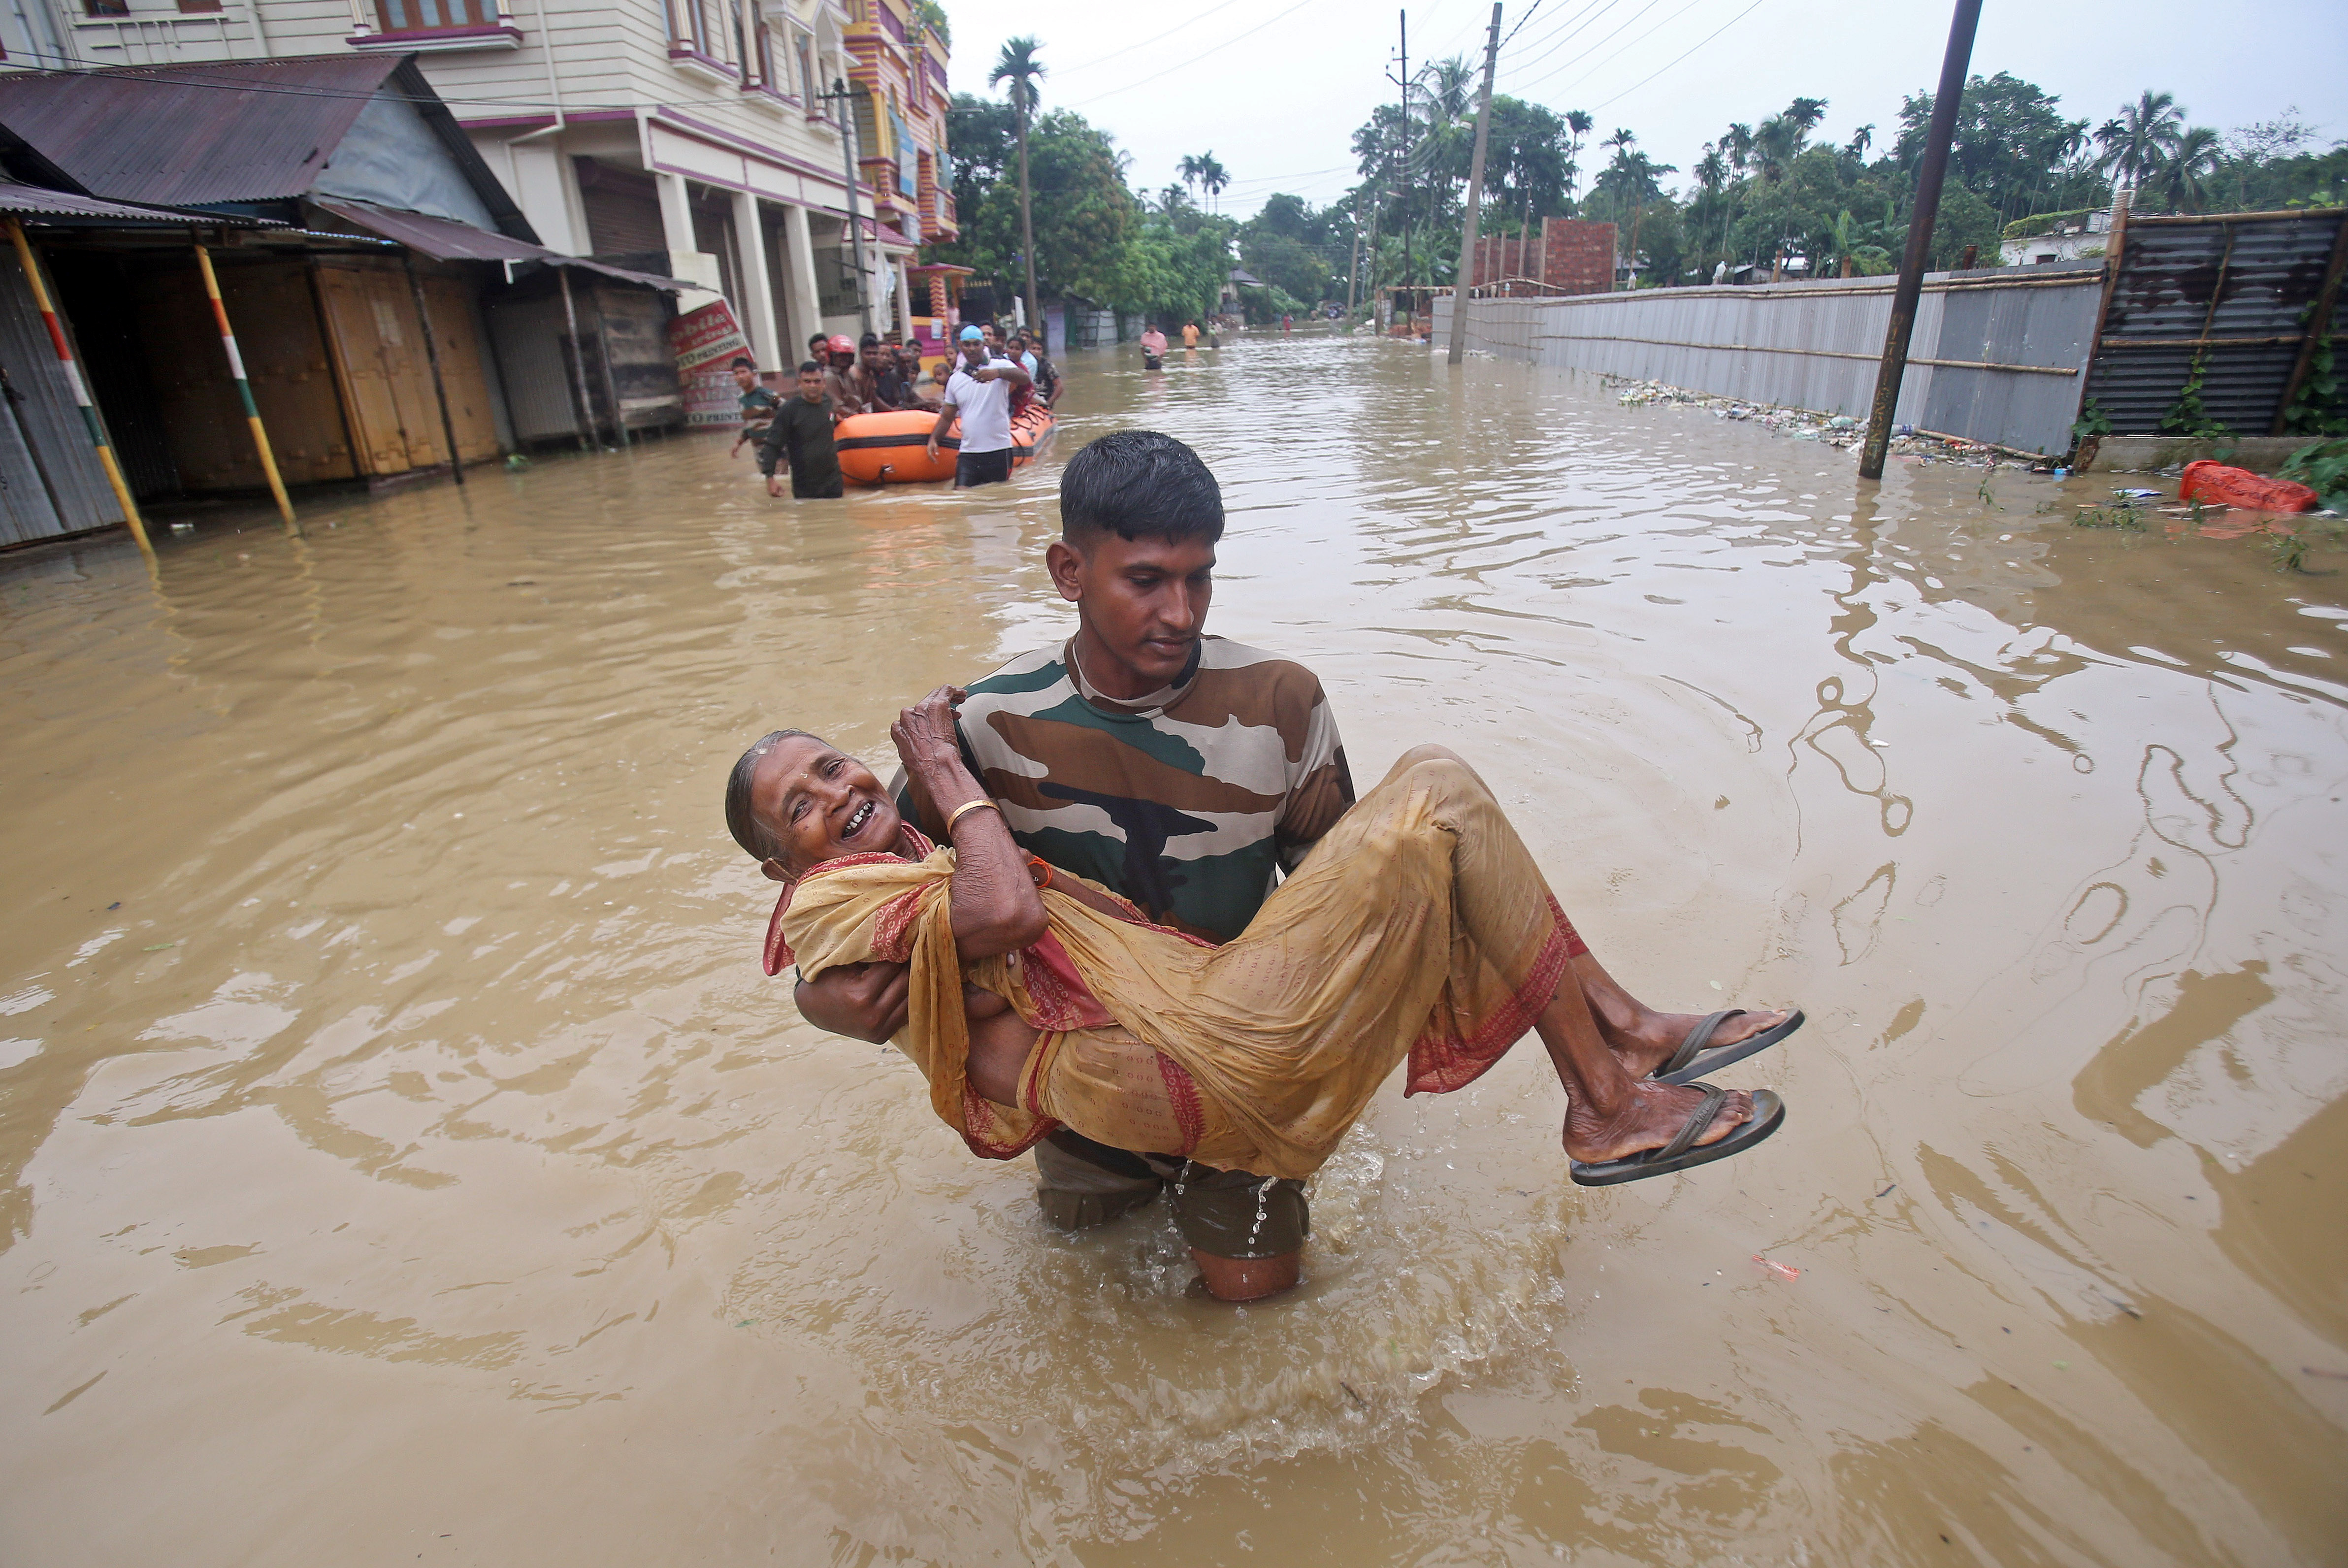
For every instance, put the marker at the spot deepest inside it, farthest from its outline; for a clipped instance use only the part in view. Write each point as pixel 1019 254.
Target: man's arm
pixel 946 415
pixel 775 447
pixel 862 1001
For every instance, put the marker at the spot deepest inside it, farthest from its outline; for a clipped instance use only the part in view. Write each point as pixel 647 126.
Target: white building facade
pixel 688 138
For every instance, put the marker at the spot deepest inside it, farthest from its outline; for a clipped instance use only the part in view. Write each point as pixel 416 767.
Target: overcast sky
pixel 1275 87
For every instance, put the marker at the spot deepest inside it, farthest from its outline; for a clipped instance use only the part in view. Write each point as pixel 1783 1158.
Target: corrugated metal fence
pixel 2234 294
pixel 1997 357
pixel 50 482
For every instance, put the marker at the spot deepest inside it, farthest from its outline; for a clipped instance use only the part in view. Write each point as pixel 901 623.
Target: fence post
pixel 2319 327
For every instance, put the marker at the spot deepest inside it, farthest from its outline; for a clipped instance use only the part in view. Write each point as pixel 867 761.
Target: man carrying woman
pixel 1225 1043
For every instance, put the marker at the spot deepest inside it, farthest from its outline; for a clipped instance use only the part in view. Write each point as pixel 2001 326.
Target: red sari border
pixel 1441 1064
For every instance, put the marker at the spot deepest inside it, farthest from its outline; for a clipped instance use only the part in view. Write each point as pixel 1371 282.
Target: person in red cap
pixel 839 379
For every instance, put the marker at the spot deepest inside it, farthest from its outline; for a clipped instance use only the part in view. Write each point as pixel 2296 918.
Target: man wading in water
pixel 1182 772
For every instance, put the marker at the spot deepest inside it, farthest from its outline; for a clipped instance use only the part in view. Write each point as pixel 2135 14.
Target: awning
pixel 446 240
pixel 66 206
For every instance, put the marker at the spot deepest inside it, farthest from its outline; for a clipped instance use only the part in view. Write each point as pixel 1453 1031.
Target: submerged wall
pixel 1995 357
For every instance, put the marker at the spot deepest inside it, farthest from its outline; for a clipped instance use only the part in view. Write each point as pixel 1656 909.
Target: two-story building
pixel 703 140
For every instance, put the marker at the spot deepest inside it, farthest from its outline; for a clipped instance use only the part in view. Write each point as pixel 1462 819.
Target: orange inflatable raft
pixel 891 448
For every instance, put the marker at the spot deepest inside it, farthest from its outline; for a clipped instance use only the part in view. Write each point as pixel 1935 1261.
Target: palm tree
pixel 2134 143
pixel 1188 170
pixel 1212 176
pixel 1774 147
pixel 1806 112
pixel 1579 122
pixel 1450 90
pixel 1738 145
pixel 1018 66
pixel 2190 163
pixel 1860 141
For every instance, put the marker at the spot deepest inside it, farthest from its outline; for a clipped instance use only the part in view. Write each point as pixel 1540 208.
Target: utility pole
pixel 1353 272
pixel 1403 82
pixel 1467 267
pixel 840 94
pixel 1928 177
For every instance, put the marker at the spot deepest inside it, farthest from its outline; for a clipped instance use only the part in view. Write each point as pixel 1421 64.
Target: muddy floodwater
pixel 402 1157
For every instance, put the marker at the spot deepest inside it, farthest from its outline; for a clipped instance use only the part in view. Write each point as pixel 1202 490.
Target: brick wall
pixel 1572 256
pixel 1577 256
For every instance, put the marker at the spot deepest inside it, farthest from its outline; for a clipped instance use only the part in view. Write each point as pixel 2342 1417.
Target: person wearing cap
pixel 980 394
pixel 838 360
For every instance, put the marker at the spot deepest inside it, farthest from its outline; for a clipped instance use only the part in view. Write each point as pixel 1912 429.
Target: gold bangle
pixel 965 809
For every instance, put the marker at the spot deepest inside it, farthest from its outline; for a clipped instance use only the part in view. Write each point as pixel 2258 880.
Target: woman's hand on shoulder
pixel 924 733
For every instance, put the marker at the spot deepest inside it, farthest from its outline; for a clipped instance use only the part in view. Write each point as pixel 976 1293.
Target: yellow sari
pixel 1417 930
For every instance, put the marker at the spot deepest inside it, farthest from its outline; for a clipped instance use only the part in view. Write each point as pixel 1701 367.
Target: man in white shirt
pixel 980 394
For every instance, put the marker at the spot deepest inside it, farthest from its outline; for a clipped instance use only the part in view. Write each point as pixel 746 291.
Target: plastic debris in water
pixel 1782 1271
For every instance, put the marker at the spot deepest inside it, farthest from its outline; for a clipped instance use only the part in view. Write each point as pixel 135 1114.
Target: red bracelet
pixel 1038 861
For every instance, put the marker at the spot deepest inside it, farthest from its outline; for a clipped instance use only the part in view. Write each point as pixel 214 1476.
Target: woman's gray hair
pixel 741 819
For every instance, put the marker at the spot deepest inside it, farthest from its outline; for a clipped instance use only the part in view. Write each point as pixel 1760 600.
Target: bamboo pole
pixel 432 359
pixel 244 388
pixel 578 365
pixel 73 379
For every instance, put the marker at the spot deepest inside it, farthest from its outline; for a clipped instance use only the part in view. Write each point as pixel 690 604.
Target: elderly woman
pixel 1419 929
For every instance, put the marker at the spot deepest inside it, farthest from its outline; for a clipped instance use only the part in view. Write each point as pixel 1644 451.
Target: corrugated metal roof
pixel 2184 282
pixel 446 240
pixel 34 200
pixel 255 130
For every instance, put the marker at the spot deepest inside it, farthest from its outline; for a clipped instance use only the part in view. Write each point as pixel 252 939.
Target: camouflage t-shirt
pixel 1185 801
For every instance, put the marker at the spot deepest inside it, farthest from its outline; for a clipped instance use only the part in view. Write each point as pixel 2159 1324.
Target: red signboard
pixel 705 341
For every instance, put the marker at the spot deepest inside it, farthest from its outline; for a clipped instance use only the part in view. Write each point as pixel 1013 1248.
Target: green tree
pixel 2135 142
pixel 1018 66
pixel 2186 174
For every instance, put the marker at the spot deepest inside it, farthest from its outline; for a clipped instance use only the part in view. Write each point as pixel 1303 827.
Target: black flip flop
pixel 1683 1152
pixel 1692 1060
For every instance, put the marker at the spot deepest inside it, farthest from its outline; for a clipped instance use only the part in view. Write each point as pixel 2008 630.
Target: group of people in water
pixel 841 379
pixel 1121 908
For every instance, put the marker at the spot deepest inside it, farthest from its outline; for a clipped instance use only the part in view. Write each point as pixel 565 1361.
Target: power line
pixel 1178 27
pixel 1707 38
pixel 1582 56
pixel 1194 59
pixel 1521 23
pixel 1642 38
pixel 1568 25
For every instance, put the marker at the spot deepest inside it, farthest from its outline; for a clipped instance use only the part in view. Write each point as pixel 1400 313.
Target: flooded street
pixel 403 1158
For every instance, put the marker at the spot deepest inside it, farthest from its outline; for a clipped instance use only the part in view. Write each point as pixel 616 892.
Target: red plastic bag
pixel 2215 483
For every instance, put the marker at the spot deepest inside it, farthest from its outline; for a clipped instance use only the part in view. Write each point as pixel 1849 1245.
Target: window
pixel 811 87
pixel 108 7
pixel 435 15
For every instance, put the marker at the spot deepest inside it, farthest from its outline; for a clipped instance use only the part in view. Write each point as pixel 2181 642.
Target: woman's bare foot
pixel 1644 1039
pixel 1651 1116
pixel 1650 1039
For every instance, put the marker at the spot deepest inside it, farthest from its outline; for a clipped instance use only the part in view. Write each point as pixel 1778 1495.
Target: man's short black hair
pixel 809 368
pixel 1140 483
pixel 742 361
pixel 872 340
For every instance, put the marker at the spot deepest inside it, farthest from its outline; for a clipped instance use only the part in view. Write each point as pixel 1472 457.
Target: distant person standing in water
pixel 800 437
pixel 1189 334
pixel 758 405
pixel 1153 349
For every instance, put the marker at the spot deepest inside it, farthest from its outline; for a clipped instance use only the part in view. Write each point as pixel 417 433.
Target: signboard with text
pixel 705 341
